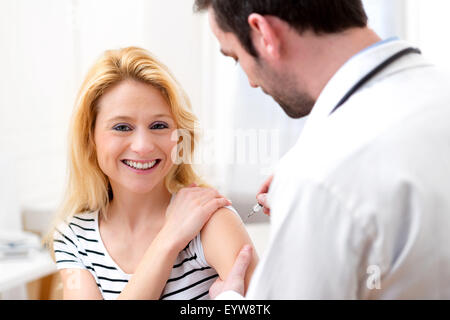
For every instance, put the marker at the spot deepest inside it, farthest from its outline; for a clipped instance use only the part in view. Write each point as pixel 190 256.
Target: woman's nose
pixel 143 143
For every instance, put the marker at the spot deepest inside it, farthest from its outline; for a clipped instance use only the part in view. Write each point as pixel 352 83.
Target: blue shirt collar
pixel 379 43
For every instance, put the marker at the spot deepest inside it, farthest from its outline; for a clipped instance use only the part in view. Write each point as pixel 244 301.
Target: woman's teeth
pixel 140 165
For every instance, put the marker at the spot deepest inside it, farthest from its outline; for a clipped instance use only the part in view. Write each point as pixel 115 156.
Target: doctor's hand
pixel 236 278
pixel 261 196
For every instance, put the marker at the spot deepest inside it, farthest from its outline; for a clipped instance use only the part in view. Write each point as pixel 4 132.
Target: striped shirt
pixel 77 244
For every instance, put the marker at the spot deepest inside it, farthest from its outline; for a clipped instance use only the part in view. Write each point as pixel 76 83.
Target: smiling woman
pixel 136 223
pixel 134 122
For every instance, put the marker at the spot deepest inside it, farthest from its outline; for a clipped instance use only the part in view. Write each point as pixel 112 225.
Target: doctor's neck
pixel 321 56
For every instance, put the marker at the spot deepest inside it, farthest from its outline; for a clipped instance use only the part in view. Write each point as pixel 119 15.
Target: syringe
pixel 256 208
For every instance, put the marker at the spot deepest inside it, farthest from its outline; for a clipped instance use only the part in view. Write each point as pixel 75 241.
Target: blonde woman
pixel 134 224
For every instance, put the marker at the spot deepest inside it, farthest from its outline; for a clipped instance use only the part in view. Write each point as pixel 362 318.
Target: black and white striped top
pixel 77 244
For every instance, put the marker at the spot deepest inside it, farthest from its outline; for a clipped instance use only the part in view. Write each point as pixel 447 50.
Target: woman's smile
pixel 141 166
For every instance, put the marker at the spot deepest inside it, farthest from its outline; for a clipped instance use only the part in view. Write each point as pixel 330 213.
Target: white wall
pixel 387 17
pixel 424 23
pixel 428 25
pixel 36 92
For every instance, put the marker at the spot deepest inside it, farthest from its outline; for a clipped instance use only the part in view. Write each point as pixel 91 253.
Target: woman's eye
pixel 122 127
pixel 159 126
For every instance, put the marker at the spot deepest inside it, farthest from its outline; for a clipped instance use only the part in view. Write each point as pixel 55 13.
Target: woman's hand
pixel 188 212
pixel 261 196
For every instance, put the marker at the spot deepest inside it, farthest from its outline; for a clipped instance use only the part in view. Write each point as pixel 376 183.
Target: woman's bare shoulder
pixel 222 238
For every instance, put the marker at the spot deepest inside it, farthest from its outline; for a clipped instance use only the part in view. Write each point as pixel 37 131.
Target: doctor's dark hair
pixel 320 16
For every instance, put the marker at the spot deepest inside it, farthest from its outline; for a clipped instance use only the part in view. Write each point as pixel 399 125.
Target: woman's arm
pixel 151 275
pixel 223 237
pixel 79 284
pixel 147 282
pixel 185 217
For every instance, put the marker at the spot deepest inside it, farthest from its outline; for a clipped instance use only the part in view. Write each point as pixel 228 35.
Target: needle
pixel 256 208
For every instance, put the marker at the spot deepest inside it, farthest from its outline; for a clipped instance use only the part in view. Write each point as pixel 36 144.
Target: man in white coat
pixel 360 207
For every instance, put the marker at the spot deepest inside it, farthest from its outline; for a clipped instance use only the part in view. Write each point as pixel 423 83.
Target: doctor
pixel 360 207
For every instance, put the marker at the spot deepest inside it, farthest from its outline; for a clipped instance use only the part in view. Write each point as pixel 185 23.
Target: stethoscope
pixel 374 72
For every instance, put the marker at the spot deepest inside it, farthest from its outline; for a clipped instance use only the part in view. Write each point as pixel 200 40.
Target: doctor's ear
pixel 265 35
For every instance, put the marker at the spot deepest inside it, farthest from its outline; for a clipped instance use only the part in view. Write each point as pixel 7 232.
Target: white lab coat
pixel 361 205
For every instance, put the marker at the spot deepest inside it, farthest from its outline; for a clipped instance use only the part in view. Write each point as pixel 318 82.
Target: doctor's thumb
pixel 262 200
pixel 241 264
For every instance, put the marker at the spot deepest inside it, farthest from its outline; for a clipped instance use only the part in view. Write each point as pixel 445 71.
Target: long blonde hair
pixel 88 188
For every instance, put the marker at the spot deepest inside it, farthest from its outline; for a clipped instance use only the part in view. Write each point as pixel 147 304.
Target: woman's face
pixel 132 135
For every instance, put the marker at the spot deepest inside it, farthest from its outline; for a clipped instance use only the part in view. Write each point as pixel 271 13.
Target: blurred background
pixel 47 47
